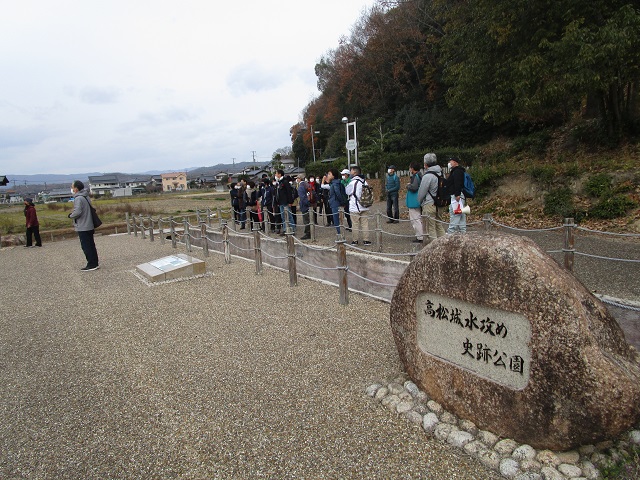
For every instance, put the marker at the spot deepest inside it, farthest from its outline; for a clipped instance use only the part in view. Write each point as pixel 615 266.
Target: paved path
pixel 229 376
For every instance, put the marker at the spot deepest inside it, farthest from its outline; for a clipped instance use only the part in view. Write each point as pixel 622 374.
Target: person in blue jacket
pixel 392 188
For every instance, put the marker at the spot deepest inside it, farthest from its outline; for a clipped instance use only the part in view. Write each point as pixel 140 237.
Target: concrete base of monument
pixel 498 333
pixel 171 268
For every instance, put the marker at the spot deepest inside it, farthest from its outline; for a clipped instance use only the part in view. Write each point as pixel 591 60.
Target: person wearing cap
pixel 455 182
pixel 33 226
pixel 426 194
pixel 360 230
pixel 346 178
pixel 392 187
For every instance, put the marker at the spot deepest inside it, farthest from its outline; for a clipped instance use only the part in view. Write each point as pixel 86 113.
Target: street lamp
pixel 352 143
pixel 313 147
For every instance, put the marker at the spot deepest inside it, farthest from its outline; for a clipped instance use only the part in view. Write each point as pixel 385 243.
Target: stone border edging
pixel 506 456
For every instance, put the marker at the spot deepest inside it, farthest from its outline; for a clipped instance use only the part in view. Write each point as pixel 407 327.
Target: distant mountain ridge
pixel 18 180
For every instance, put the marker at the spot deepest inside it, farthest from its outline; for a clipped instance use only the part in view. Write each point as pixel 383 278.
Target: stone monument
pixel 171 268
pixel 497 332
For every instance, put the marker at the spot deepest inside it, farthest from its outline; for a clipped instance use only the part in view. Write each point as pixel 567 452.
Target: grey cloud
pixel 11 137
pixel 99 95
pixel 250 78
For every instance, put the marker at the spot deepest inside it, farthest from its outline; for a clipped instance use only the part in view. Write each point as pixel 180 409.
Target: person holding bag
pixel 83 224
pixel 415 211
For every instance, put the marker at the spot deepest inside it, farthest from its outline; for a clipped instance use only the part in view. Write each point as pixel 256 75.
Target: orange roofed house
pixel 172 182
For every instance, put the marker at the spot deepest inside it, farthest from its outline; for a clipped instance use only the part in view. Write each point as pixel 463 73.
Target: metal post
pixel 342 271
pixel 258 250
pixel 568 243
pixel 487 219
pixel 291 258
pixel 225 239
pixel 205 239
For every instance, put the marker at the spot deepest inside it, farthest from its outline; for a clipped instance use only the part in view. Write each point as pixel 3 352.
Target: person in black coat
pixel 455 182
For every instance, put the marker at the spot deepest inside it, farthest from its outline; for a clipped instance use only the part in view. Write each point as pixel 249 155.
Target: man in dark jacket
pixel 284 200
pixel 303 195
pixel 455 182
pixel 392 187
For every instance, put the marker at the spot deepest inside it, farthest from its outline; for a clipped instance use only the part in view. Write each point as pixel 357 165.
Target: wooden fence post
pixel 378 230
pixel 257 249
pixel 225 239
pixel 161 230
pixel 135 226
pixel 204 238
pixel 186 234
pixel 487 219
pixel 143 231
pixel 291 257
pixel 126 218
pixel 342 271
pixel 568 243
pixel 208 217
pixel 172 226
pixel 151 229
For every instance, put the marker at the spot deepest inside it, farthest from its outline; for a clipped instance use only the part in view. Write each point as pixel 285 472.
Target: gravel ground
pixel 232 375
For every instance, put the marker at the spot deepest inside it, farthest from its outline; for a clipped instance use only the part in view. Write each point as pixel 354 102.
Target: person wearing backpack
pixel 284 200
pixel 455 184
pixel 428 196
pixel 392 187
pixel 358 212
pixel 332 184
pixel 415 214
pixel 83 224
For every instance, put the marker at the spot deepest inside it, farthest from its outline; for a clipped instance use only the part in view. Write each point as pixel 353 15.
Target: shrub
pixel 543 173
pixel 598 185
pixel 614 206
pixel 559 202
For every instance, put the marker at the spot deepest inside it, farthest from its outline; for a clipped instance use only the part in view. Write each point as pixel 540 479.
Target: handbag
pixel 94 215
pixel 412 199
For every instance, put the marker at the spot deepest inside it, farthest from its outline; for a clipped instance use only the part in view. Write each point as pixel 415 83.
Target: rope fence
pixel 366 270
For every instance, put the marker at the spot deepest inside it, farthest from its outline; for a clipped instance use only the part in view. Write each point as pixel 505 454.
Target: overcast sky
pixel 139 85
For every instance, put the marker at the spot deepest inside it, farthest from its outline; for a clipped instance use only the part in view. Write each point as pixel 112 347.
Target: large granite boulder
pixel 497 332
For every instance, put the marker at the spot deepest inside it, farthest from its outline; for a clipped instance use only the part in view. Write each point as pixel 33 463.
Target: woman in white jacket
pixel 359 214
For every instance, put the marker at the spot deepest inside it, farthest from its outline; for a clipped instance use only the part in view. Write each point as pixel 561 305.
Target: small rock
pixel 429 422
pixel 505 447
pixel 421 409
pixel 468 426
pixel 414 417
pixel 404 407
pixel 600 459
pixel 372 389
pixel 550 473
pixel 528 465
pixel 528 476
pixel 435 407
pixel 459 439
pixel 604 446
pixel 589 470
pixel 382 392
pixel 391 401
pixel 547 457
pixel 488 438
pixel 395 388
pixel 447 417
pixel 572 457
pixel 443 430
pixel 490 459
pixel 586 450
pixel 634 437
pixel 406 397
pixel 524 452
pixel 411 387
pixel 509 468
pixel 422 397
pixel 475 447
pixel 570 471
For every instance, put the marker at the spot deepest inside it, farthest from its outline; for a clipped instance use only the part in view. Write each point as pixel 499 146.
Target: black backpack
pixel 442 197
